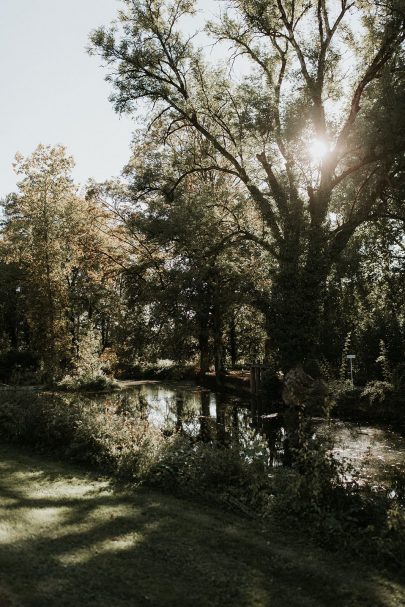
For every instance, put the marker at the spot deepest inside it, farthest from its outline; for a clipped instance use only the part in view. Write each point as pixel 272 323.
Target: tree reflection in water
pixel 208 416
pixel 205 415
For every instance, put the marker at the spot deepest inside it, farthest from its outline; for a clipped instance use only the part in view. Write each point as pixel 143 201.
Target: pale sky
pixel 53 92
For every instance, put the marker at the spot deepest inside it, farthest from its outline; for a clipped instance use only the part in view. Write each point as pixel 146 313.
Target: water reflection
pixel 209 416
pixel 187 408
pixel 205 417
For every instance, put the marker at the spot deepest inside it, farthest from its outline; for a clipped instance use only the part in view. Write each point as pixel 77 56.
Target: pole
pixel 351 357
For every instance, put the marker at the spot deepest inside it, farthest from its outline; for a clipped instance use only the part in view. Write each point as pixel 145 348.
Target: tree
pixel 12 326
pixel 313 147
pixel 63 247
pixel 37 232
pixel 366 298
pixel 197 258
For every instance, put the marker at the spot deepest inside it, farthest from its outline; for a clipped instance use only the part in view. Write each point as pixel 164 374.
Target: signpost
pixel 351 357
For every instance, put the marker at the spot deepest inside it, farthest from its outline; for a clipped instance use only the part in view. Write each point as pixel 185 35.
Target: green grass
pixel 68 538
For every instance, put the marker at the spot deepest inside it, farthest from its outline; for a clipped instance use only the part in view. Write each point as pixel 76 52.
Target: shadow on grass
pixel 68 539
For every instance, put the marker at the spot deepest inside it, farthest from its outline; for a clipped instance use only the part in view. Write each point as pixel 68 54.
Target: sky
pixel 53 92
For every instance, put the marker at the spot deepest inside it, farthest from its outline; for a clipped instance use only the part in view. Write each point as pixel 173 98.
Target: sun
pixel 318 149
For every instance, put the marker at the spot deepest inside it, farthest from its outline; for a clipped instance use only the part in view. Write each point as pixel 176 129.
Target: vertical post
pixel 253 379
pixel 257 378
pixel 351 357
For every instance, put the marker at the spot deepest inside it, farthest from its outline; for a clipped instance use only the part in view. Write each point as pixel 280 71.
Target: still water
pixel 373 451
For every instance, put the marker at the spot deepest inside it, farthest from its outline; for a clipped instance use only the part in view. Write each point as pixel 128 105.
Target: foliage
pixel 377 392
pixel 98 382
pixel 37 233
pixel 166 369
pixel 123 442
pixel 53 247
pixel 229 237
pixel 236 476
pixel 80 429
pixel 318 491
pixel 343 395
pixel 384 362
pixel 303 207
pixel 87 373
pixel 325 496
pixel 13 362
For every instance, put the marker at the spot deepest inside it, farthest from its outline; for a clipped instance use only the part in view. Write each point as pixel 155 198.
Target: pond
pixel 374 452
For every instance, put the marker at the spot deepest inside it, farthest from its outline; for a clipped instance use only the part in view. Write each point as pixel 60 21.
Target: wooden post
pixel 253 379
pixel 257 378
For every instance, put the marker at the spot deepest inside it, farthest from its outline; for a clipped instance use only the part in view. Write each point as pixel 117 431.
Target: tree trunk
pixel 232 341
pixel 296 304
pixel 203 344
pixel 218 353
pixel 218 343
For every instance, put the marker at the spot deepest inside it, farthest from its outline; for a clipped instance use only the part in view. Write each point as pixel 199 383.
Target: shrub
pixel 377 392
pixel 88 369
pixel 164 369
pixel 324 496
pixel 87 383
pixel 81 429
pixel 122 441
pixel 238 475
pixel 343 396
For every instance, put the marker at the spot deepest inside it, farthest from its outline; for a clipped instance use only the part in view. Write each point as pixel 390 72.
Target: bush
pixel 88 368
pixel 239 475
pixel 316 489
pixel 324 496
pixel 121 441
pixel 82 430
pixel 343 397
pixel 87 383
pixel 377 392
pixel 163 369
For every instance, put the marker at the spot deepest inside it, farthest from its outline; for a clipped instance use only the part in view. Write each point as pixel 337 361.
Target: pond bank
pixel 236 384
pixel 208 415
pixel 69 538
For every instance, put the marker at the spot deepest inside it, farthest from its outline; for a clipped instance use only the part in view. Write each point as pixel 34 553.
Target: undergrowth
pixel 87 383
pixel 318 493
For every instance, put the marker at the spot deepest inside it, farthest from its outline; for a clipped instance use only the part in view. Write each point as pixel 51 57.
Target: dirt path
pixel 69 539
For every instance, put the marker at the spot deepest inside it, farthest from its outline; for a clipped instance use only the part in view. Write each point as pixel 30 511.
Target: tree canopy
pixel 260 214
pixel 313 135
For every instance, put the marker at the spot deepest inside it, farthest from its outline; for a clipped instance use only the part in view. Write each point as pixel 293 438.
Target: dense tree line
pixel 259 216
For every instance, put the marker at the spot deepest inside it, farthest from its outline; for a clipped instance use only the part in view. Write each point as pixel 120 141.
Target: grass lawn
pixel 70 538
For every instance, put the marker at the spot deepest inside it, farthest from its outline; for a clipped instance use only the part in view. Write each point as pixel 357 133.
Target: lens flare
pixel 318 149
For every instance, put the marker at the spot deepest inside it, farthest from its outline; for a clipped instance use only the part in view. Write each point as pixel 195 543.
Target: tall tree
pixel 63 247
pixel 198 258
pixel 311 142
pixel 37 232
